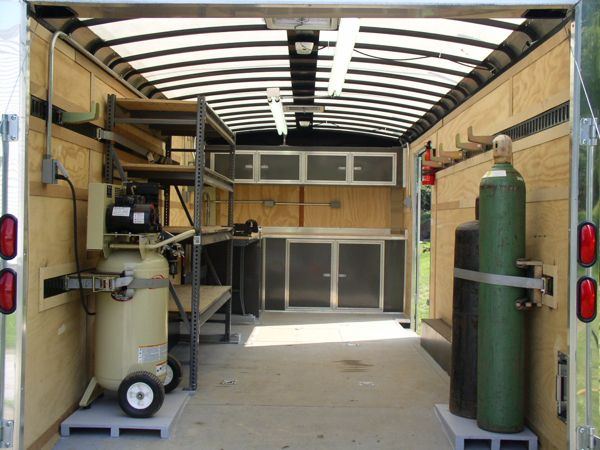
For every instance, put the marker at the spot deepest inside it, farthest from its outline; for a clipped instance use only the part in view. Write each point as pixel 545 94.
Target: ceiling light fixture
pixel 276 107
pixel 344 46
pixel 304 48
pixel 302 23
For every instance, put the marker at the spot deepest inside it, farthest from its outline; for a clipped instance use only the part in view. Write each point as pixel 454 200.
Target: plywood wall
pixel 361 206
pixel 58 357
pixel 531 87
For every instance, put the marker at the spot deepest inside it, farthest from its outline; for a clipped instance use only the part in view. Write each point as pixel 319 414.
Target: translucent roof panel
pixel 400 68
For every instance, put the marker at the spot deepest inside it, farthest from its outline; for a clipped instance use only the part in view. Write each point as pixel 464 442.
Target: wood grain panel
pixel 483 116
pixel 547 330
pixel 361 207
pixel 277 216
pixel 71 81
pixel 544 167
pixel 56 354
pixel 442 252
pixel 74 157
pixel 548 76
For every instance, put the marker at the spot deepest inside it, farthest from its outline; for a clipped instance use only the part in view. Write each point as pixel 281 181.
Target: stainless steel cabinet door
pixel 309 274
pixel 244 165
pixel 373 169
pixel 359 275
pixel 326 168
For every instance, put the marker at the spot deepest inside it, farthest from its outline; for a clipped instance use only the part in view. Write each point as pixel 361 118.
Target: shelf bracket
pixel 455 156
pixel 483 140
pixel 469 147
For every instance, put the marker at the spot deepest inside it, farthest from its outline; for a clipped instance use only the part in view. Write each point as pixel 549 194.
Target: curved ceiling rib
pixel 242 71
pixel 404 75
pixel 341 115
pixel 97 45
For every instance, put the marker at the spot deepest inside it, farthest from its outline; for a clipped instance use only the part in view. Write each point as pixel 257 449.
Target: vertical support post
pixel 197 242
pixel 167 190
pixel 229 277
pixel 4 210
pixel 110 126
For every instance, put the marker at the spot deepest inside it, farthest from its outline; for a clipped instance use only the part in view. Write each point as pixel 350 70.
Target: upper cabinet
pixel 327 168
pixel 244 166
pixel 279 167
pixel 313 167
pixel 373 168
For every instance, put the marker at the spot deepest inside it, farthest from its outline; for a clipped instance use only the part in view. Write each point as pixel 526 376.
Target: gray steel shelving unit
pixel 181 118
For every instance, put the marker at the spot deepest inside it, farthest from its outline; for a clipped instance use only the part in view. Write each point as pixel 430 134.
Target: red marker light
pixel 8 236
pixel 587 246
pixel 587 291
pixel 8 291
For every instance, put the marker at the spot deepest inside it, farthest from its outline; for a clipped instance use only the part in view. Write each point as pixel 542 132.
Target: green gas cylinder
pixel 500 367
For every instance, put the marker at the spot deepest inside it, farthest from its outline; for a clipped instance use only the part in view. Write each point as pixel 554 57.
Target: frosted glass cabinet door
pixel 244 169
pixel 326 168
pixel 281 167
pixel 373 169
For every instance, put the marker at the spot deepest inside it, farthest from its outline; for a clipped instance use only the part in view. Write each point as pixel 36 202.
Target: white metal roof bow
pixel 400 68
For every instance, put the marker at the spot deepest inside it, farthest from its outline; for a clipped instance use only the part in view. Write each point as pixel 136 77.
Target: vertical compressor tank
pixel 500 367
pixel 463 367
pixel 131 335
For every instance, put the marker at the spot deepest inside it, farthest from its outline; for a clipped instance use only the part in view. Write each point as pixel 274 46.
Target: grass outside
pixel 11 328
pixel 424 274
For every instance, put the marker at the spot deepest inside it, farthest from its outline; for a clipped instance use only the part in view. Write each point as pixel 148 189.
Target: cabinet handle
pixel 342 275
pixel 327 275
pixel 358 168
pixel 264 166
pixel 248 166
pixel 341 167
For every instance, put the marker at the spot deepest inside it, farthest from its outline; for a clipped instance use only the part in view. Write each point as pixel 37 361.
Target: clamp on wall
pixel 540 282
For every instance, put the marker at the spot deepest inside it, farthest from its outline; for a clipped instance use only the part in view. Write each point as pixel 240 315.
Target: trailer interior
pixel 274 195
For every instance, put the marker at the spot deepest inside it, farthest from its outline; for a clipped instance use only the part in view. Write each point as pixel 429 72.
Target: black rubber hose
pixel 76 246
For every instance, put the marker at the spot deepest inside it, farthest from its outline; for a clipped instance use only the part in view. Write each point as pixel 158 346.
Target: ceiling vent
pixel 302 23
pixel 304 108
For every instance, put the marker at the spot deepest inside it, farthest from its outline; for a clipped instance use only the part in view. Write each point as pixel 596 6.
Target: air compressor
pixel 131 282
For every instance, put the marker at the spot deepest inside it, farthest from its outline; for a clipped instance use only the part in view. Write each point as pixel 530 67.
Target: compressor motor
pixel 136 211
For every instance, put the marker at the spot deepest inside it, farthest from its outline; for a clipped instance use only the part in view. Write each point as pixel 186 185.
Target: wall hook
pixel 81 117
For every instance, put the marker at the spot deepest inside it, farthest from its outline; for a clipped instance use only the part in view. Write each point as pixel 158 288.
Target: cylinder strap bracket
pixel 499 280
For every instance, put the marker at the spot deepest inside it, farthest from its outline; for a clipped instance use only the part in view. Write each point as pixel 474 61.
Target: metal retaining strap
pixel 499 280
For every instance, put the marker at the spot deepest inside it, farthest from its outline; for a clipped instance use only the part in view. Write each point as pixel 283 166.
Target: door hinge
pixel 6 433
pixel 587 439
pixel 9 127
pixel 562 373
pixel 587 131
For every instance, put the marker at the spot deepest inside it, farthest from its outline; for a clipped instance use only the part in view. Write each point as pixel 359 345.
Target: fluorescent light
pixel 276 107
pixel 344 47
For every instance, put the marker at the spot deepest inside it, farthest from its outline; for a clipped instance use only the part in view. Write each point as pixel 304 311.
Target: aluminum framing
pixel 303 178
pixel 121 9
pixel 14 101
pixel 301 167
pixel 333 274
pixel 347 166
